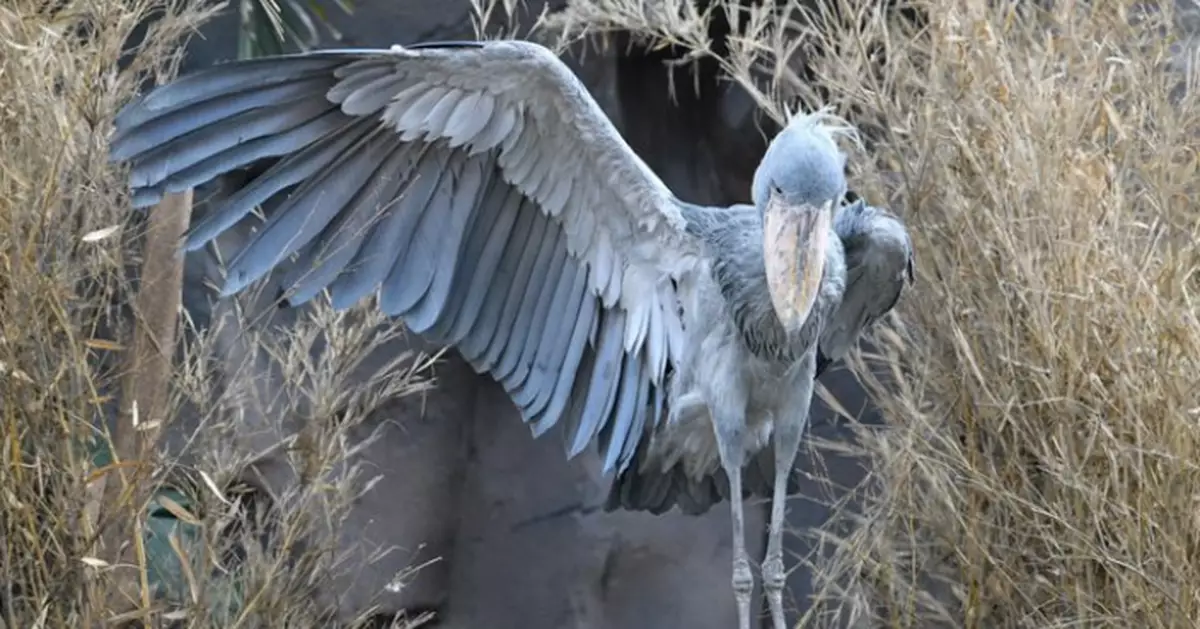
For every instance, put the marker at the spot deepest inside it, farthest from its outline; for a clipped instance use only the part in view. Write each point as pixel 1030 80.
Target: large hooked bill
pixel 795 238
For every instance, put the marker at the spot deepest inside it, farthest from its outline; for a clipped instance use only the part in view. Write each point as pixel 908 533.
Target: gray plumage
pixel 485 199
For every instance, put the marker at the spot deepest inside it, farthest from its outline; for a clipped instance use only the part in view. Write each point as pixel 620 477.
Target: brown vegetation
pixel 67 247
pixel 1040 467
pixel 1042 470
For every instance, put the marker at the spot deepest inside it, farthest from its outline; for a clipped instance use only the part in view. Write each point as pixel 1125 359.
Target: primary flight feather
pixel 481 194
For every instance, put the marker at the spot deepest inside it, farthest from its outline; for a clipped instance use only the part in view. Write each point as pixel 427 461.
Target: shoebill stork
pixel 479 193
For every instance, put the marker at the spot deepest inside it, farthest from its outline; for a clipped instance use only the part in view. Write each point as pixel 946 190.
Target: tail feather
pixel 656 491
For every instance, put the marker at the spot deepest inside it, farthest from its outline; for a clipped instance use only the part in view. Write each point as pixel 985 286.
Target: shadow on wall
pixel 519 530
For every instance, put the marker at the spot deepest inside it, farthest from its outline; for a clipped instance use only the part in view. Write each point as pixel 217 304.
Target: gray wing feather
pixel 159 131
pixel 581 330
pixel 365 86
pixel 324 259
pixel 307 211
pixel 167 158
pixel 522 328
pixel 480 190
pixel 879 261
pixel 474 261
pixel 250 152
pixel 478 346
pixel 537 322
pixel 220 81
pixel 636 428
pixel 492 282
pixel 529 385
pixel 508 338
pixel 444 243
pixel 436 246
pixel 552 354
pixel 602 390
pixel 390 240
pixel 283 175
pixel 413 269
pixel 614 433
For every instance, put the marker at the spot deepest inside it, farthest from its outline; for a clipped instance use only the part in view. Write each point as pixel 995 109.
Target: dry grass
pixel 1042 462
pixel 1043 467
pixel 68 245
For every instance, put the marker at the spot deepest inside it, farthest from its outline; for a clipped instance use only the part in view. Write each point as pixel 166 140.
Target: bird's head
pixel 797 185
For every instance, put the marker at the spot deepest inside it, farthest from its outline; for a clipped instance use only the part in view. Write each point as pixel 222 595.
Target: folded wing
pixel 879 265
pixel 477 187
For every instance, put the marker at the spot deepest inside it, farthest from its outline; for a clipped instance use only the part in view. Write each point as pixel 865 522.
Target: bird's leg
pixel 729 429
pixel 787 443
pixel 789 431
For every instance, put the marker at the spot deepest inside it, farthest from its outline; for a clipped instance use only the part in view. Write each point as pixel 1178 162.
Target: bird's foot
pixel 774 578
pixel 743 585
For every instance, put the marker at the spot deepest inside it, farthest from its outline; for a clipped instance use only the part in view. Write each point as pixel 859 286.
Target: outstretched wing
pixel 477 186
